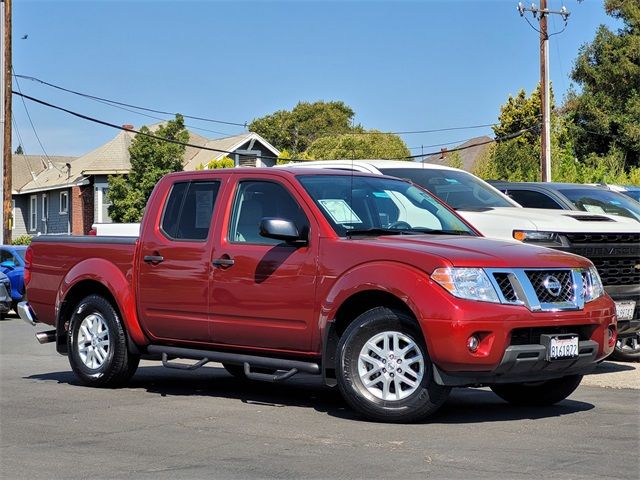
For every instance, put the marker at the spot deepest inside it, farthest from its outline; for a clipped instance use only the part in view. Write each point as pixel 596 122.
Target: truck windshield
pixel 603 201
pixel 356 205
pixel 460 190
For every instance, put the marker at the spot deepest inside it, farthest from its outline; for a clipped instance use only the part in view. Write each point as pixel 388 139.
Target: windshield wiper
pixel 375 231
pixel 407 231
pixel 430 231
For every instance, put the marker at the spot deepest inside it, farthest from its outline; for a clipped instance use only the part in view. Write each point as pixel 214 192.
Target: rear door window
pixel 188 210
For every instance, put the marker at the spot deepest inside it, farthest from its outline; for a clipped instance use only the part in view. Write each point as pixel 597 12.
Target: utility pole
pixel 542 15
pixel 7 221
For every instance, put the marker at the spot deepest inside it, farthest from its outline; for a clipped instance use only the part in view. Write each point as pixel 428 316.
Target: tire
pixel 627 349
pixel 400 392
pixel 538 393
pixel 238 370
pixel 97 345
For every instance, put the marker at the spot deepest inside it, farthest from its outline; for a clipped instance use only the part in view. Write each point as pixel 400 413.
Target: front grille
pixel 504 283
pixel 603 237
pixel 618 271
pixel 531 336
pixel 542 282
pixel 541 290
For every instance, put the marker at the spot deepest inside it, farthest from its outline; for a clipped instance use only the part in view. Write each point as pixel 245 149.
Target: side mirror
pixel 281 229
pixel 8 264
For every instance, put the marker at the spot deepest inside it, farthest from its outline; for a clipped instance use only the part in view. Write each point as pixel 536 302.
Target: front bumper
pixel 5 299
pixel 524 363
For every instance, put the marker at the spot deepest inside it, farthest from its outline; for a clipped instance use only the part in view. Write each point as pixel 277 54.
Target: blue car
pixel 12 265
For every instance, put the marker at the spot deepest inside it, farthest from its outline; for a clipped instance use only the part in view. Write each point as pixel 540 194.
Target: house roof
pixel 228 144
pixel 27 170
pixel 113 158
pixel 468 156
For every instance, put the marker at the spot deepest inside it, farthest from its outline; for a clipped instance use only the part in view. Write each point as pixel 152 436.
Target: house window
pixel 103 204
pixel 45 207
pixel 13 214
pixel 248 158
pixel 33 212
pixel 64 202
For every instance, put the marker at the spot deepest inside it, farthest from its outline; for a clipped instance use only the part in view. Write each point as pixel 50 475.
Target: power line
pixel 122 105
pixel 201 147
pixel 94 97
pixel 161 118
pixel 486 142
pixel 138 132
pixel 32 125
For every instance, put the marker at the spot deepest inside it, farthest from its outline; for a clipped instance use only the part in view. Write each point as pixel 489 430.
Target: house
pixel 248 150
pixel 41 193
pixel 58 195
pixel 472 151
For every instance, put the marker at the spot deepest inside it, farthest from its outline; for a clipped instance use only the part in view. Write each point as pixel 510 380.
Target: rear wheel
pixel 538 393
pixel 627 349
pixel 97 345
pixel 383 368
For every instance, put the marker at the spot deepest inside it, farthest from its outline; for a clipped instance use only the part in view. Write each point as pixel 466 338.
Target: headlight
pixel 541 238
pixel 592 285
pixel 469 283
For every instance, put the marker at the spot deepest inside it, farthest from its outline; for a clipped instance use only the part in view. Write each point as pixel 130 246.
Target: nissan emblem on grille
pixel 552 285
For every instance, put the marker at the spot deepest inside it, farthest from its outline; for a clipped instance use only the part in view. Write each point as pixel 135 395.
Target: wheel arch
pixel 387 284
pixel 100 277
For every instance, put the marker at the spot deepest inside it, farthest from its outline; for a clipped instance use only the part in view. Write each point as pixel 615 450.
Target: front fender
pixel 403 281
pixel 106 273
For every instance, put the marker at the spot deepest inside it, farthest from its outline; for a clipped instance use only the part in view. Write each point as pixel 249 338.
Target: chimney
pixel 443 152
pixel 127 126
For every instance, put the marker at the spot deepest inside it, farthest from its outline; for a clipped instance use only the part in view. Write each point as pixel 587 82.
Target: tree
pixel 151 158
pixel 19 150
pixel 369 144
pixel 517 159
pixel 605 115
pixel 297 129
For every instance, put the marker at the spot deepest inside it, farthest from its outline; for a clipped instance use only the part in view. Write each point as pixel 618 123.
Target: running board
pixel 248 362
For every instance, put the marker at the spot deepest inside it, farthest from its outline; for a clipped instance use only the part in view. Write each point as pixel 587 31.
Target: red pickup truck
pixel 368 281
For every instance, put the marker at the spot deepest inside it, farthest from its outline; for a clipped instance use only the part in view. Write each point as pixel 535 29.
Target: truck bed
pixel 57 259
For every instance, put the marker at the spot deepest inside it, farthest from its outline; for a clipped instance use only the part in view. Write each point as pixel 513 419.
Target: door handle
pixel 153 259
pixel 223 262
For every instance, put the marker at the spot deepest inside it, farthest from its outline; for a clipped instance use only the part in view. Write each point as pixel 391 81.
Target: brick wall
pixel 81 209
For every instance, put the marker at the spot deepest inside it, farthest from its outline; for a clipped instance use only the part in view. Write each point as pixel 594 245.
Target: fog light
pixel 472 343
pixel 612 335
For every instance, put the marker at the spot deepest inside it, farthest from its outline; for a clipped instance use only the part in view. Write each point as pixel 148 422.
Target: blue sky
pixel 401 65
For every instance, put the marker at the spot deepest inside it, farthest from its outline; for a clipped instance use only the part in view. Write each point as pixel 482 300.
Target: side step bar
pixel 247 361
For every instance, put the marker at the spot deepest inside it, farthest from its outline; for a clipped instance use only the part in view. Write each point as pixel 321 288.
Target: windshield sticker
pixel 381 194
pixel 339 211
pixel 593 208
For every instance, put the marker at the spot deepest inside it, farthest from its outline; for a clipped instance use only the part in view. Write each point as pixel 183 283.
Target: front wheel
pixel 384 370
pixel 97 345
pixel 627 349
pixel 538 393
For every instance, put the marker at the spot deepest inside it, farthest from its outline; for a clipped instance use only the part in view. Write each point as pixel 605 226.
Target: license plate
pixel 562 347
pixel 625 309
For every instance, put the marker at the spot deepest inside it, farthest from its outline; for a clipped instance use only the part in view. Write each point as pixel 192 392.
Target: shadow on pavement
pixel 610 367
pixel 465 405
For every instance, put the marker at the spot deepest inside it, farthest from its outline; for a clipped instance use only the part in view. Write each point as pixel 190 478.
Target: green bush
pixel 22 240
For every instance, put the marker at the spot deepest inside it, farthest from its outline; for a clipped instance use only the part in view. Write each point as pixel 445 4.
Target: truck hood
pixel 501 222
pixel 466 251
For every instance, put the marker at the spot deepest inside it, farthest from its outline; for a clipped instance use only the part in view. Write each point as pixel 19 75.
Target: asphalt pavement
pixel 170 424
